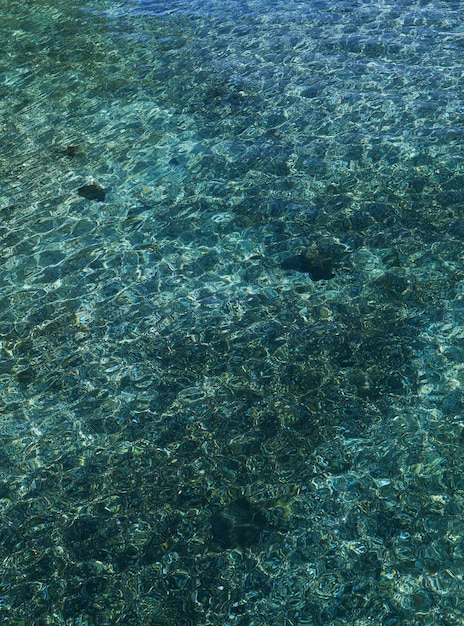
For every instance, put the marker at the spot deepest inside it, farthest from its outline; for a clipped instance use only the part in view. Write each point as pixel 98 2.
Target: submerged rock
pixel 238 524
pixel 317 268
pixel 70 151
pixel 92 192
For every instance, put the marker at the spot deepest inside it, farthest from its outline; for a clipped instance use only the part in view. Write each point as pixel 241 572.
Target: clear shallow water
pixel 157 362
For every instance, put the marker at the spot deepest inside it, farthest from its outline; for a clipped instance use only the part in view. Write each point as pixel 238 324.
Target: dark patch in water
pixel 70 151
pixel 92 192
pixel 238 524
pixel 318 269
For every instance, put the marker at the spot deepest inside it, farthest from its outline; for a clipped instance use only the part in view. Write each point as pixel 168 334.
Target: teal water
pixel 192 434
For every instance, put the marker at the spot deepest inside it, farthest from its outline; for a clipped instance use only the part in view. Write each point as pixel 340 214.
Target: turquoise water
pixel 191 433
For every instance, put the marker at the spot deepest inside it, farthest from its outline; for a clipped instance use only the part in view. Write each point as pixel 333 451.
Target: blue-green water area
pixel 231 313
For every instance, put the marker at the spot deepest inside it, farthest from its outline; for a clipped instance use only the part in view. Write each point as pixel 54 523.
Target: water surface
pixel 161 370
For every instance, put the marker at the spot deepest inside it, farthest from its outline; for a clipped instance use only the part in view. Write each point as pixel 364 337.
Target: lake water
pixel 232 299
